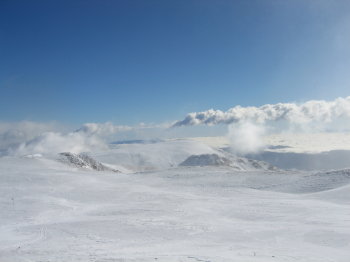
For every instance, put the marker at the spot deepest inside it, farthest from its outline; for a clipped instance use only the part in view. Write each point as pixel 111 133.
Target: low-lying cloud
pixel 18 132
pixel 247 125
pixel 53 143
pixel 39 138
pixel 310 111
pixel 28 138
pixel 246 137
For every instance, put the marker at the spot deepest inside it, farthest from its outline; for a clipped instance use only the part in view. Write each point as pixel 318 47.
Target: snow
pixel 238 163
pixel 289 142
pixel 160 211
pixel 152 156
pixel 320 151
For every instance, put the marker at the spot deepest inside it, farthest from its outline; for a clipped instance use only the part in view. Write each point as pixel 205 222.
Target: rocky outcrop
pixel 84 161
pixel 238 163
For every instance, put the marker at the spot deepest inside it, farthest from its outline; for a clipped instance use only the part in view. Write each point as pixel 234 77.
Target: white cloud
pixel 247 125
pixel 19 132
pixel 52 143
pixel 246 137
pixel 311 111
pixel 102 129
pixel 24 138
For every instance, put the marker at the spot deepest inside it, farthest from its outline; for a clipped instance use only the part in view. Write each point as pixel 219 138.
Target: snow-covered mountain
pixel 138 157
pixel 237 163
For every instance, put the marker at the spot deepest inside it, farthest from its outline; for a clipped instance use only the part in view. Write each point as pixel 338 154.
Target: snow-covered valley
pixel 157 209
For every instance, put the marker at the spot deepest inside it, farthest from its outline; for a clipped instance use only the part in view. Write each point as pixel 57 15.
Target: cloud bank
pixel 53 143
pixel 27 138
pixel 24 138
pixel 18 132
pixel 311 111
pixel 248 125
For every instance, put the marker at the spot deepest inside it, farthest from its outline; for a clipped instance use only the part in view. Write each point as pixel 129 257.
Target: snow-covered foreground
pixel 51 211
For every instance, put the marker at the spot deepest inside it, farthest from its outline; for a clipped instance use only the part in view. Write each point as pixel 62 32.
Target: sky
pixel 155 61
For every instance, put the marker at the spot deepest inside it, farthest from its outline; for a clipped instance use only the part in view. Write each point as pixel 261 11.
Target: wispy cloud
pixel 23 138
pixel 102 129
pixel 12 133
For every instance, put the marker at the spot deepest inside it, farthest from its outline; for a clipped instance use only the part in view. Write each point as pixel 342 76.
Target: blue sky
pixel 154 61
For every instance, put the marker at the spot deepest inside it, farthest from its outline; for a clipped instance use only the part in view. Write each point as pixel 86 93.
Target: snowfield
pixel 156 210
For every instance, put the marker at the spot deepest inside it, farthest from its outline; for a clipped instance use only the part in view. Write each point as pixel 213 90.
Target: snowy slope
pixel 55 212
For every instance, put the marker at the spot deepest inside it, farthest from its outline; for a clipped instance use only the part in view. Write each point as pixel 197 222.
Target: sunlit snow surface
pixel 50 211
